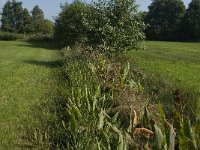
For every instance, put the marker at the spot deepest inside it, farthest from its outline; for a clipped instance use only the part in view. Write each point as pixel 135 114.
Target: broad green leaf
pixel 158 140
pixel 73 125
pixel 101 120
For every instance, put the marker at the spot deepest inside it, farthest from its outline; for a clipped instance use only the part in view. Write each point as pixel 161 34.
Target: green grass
pixel 170 66
pixel 26 78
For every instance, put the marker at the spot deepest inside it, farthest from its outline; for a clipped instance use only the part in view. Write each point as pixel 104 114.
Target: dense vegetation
pixel 99 105
pixel 111 26
pixel 164 19
pixel 99 98
pixel 96 107
pixel 169 20
pixel 191 21
pixel 17 19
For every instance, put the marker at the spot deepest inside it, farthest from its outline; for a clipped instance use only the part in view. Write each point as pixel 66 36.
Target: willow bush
pixel 112 26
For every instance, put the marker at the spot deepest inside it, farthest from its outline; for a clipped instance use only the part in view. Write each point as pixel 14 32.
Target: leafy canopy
pixel 191 21
pixel 112 26
pixel 17 19
pixel 164 18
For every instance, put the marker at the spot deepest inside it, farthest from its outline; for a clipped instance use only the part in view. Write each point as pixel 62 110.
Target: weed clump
pixel 99 105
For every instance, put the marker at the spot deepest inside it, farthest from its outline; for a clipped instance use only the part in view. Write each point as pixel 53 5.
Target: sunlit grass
pixel 170 66
pixel 25 79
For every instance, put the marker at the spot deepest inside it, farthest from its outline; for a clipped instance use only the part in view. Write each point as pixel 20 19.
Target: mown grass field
pixel 170 66
pixel 26 78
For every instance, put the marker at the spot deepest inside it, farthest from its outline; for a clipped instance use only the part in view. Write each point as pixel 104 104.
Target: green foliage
pixel 6 24
pixel 80 113
pixel 158 140
pixel 5 36
pixel 26 22
pixel 145 117
pixel 69 28
pixel 39 38
pixel 39 24
pixel 170 136
pixel 11 16
pixel 113 26
pixel 181 135
pixel 17 19
pixel 47 27
pixel 90 120
pixel 168 20
pixel 189 134
pixel 191 22
pixel 37 15
pixel 164 18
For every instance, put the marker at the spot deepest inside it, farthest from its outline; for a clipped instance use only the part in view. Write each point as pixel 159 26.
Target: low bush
pixel 39 37
pixel 5 36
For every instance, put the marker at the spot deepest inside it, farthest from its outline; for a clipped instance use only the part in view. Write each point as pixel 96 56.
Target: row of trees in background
pixel 170 20
pixel 104 23
pixel 17 19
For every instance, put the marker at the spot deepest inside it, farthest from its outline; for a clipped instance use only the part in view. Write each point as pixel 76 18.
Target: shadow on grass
pixel 48 64
pixel 45 113
pixel 50 45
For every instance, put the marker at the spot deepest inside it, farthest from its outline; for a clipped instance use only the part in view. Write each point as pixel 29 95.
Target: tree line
pixel 106 23
pixel 16 19
pixel 170 20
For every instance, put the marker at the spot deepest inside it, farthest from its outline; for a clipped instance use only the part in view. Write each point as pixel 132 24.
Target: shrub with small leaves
pixel 113 26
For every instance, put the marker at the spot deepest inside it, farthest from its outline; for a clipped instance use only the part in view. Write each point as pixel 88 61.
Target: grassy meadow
pixel 26 78
pixel 168 66
pixel 29 75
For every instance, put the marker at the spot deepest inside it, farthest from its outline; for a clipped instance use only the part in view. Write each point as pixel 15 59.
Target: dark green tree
pixel 37 18
pixel 7 24
pixel 18 19
pixel 47 27
pixel 37 13
pixel 14 17
pixel 164 19
pixel 26 24
pixel 191 21
pixel 69 28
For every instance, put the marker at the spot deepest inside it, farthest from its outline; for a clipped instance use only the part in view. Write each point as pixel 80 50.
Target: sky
pixel 51 8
